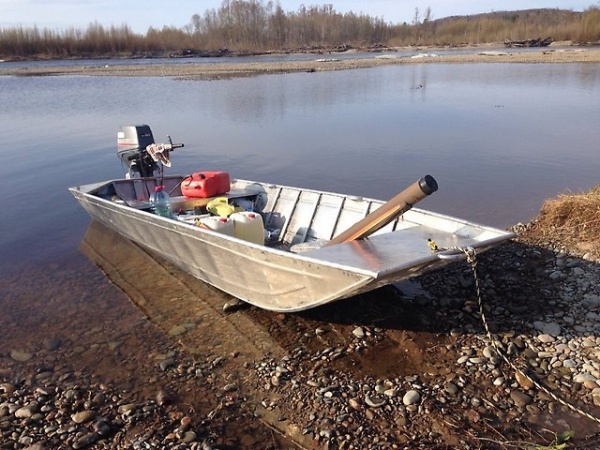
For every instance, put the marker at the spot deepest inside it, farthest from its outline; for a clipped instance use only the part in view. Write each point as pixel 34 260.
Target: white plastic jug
pixel 249 226
pixel 221 224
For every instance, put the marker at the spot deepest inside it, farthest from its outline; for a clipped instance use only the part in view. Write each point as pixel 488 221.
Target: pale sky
pixel 142 14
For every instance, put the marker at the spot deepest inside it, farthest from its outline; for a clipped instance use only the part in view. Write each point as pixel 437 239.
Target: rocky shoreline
pixel 406 368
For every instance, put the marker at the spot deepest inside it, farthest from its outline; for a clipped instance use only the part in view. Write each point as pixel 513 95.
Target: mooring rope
pixel 472 261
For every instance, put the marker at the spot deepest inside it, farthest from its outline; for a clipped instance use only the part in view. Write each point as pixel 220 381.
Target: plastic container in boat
pixel 220 224
pixel 161 202
pixel 249 226
pixel 220 206
pixel 206 184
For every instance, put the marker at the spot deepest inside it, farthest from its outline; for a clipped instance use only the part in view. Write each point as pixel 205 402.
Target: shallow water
pixel 498 138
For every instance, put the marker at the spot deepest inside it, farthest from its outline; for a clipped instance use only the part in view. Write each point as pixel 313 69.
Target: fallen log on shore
pixel 529 42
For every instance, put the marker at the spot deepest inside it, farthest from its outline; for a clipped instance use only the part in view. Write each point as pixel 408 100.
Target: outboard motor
pixel 139 154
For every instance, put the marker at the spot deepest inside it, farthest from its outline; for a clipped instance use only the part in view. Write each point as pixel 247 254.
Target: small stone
pixel 185 423
pixel 490 352
pixel 390 392
pixel 86 440
pixel 20 355
pixel 451 388
pixel 583 377
pixel 553 329
pixel 177 330
pixel 166 363
pixel 499 381
pixel 411 397
pixel 102 428
pixel 7 388
pixel 569 364
pixel 83 416
pixel 375 401
pixel 520 398
pixel 127 409
pixel 26 411
pixel 51 344
pixel 233 305
pixel 163 398
pixel 524 381
pixel 188 437
pixel 359 332
pixel 477 360
pixel 596 396
pixel 355 404
pixel 545 338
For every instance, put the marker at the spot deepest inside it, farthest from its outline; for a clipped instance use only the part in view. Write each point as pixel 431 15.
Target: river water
pixel 499 139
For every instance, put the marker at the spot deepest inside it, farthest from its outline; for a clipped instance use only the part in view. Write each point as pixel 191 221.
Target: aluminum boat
pixel 300 262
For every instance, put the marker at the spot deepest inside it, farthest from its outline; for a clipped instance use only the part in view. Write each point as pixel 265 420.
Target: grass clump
pixel 572 220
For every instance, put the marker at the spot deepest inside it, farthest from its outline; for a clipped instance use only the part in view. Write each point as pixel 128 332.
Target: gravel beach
pixel 405 367
pixel 502 353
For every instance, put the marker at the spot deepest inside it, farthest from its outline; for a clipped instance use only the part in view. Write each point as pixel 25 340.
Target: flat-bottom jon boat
pixel 298 261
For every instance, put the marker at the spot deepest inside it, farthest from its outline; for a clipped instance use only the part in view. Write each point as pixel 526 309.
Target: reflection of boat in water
pixel 184 307
pixel 270 274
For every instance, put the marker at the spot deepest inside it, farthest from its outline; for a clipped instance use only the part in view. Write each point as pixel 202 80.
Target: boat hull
pixel 276 279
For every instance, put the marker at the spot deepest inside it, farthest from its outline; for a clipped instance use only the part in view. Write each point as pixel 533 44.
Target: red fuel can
pixel 206 184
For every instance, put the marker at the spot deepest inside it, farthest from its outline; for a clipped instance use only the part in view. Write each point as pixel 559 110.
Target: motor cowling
pixel 139 154
pixel 132 141
pixel 134 137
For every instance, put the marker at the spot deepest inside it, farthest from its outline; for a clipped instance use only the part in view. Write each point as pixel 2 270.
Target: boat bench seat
pixel 383 252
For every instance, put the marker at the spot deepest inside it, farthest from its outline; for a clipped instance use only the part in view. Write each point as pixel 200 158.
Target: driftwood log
pixel 529 43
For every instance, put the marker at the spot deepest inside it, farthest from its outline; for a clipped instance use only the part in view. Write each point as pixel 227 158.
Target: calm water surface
pixel 499 139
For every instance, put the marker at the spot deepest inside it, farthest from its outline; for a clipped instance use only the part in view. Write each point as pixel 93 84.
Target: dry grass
pixel 572 220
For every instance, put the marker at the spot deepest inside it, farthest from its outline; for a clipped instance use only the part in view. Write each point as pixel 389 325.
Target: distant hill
pixel 500 26
pixel 546 16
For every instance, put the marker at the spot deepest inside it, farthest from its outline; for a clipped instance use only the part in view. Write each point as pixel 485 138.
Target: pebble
pixel 520 398
pixel 359 332
pixel 166 363
pixel 27 411
pixel 355 404
pixel 86 440
pixel 546 338
pixel 596 396
pixel 83 416
pixel 524 381
pixel 411 397
pixel 20 355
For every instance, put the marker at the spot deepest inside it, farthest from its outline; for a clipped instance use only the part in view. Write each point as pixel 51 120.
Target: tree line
pixel 252 26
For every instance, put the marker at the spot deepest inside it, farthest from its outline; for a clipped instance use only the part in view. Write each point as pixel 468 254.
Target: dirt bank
pixel 239 68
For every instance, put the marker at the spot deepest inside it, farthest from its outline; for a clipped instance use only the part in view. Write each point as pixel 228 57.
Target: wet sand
pixel 240 68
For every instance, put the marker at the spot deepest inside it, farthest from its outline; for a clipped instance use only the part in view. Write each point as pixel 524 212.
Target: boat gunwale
pixel 88 191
